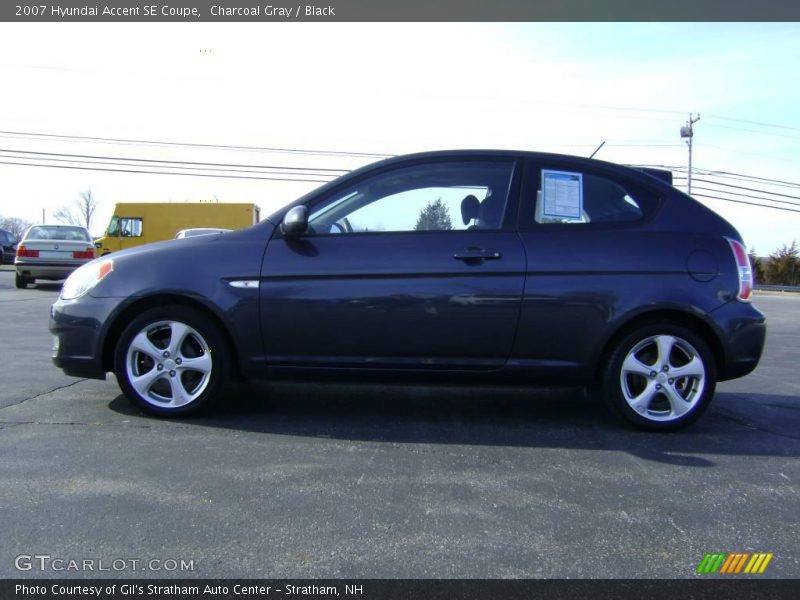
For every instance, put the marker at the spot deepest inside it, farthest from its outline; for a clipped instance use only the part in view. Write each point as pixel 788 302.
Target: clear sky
pixel 392 89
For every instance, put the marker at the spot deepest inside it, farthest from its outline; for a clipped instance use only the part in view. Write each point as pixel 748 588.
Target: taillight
pixel 745 270
pixel 83 254
pixel 23 252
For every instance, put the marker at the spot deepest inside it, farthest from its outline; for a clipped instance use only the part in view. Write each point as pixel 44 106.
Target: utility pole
pixel 688 132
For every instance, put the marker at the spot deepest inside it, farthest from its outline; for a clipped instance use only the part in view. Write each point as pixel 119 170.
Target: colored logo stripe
pixel 758 563
pixel 734 562
pixel 710 563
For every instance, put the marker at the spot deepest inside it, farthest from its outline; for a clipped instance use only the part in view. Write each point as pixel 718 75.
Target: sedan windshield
pixel 56 232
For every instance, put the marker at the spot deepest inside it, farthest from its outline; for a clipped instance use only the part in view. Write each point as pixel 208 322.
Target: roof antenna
pixel 603 143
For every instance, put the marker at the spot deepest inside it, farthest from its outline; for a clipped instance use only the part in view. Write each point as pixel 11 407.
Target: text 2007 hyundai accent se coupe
pixel 526 267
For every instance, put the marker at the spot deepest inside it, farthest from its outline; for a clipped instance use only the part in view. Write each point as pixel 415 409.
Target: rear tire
pixel 660 377
pixel 20 282
pixel 172 361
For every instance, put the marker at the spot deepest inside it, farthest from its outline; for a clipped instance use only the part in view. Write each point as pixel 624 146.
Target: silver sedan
pixel 52 252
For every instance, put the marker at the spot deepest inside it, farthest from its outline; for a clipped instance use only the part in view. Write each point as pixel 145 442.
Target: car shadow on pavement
pixel 497 416
pixel 48 286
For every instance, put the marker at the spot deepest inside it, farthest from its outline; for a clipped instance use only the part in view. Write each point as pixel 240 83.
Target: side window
pixel 444 196
pixel 571 197
pixel 113 227
pixel 130 227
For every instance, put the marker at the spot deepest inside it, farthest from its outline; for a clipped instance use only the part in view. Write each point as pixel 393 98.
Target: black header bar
pixel 398 10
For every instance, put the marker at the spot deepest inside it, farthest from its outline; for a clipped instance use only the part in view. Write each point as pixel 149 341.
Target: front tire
pixel 172 361
pixel 660 377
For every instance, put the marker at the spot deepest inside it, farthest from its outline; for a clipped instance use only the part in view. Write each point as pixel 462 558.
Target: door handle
pixel 476 255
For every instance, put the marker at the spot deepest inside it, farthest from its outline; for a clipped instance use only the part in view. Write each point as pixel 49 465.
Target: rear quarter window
pixel 561 195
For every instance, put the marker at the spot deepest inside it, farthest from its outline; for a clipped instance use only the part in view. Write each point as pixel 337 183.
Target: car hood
pixel 192 266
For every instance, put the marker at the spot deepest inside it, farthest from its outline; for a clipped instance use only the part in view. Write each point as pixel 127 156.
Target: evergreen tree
pixel 757 265
pixel 434 217
pixel 783 265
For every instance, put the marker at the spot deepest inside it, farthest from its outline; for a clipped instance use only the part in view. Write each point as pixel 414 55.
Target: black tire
pixel 642 391
pixel 20 282
pixel 173 389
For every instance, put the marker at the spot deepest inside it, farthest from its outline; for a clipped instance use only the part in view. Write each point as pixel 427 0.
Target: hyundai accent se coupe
pixel 480 265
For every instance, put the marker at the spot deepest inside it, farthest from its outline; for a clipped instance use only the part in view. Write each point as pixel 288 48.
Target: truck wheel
pixel 172 361
pixel 660 377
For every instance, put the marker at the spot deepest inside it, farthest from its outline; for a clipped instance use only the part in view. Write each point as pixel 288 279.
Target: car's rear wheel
pixel 21 282
pixel 172 361
pixel 660 377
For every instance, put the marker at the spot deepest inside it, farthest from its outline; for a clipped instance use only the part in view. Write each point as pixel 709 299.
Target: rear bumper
pixel 47 269
pixel 744 332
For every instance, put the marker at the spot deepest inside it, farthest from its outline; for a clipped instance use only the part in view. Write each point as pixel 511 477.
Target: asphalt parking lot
pixel 317 480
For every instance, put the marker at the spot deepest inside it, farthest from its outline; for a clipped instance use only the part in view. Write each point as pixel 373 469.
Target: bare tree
pixel 65 214
pixel 16 226
pixel 80 213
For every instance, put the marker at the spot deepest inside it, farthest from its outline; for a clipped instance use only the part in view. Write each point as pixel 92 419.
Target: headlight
pixel 85 278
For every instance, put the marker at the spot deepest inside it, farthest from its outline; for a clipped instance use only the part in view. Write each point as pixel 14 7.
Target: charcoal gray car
pixel 531 268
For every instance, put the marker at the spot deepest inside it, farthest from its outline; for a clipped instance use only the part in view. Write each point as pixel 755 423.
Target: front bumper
pixel 81 328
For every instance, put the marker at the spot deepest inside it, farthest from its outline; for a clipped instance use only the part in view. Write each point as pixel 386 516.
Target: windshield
pixel 56 232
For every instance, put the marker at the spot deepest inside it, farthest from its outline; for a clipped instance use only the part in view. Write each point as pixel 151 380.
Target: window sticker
pixel 562 193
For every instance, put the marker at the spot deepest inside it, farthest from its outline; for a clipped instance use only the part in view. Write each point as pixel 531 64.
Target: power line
pixel 175 164
pixel 750 153
pixel 737 177
pixel 745 202
pixel 726 174
pixel 783 135
pixel 24 164
pixel 91 139
pixel 707 189
pixel 643 145
pixel 761 123
pixel 749 178
pixel 152 168
pixel 739 187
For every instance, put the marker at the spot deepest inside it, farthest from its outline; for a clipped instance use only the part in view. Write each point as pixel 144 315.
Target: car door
pixel 590 259
pixel 416 266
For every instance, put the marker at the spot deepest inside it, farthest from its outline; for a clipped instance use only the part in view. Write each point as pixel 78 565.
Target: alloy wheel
pixel 662 377
pixel 169 364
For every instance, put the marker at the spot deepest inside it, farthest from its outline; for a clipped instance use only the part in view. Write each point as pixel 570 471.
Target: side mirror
pixel 295 222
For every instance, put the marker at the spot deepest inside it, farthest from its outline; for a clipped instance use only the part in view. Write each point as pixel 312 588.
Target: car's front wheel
pixel 660 377
pixel 172 361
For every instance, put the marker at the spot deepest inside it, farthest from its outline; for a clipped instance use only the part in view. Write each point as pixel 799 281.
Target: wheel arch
pixel 691 320
pixel 131 310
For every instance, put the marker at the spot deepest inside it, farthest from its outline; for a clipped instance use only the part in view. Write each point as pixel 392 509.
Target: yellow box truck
pixel 136 223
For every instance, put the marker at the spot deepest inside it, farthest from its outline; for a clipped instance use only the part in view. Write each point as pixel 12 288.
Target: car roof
pixel 56 225
pixel 205 229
